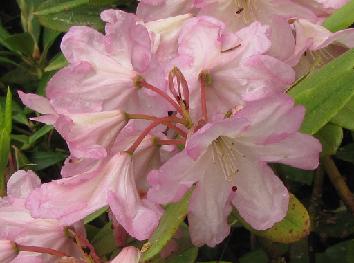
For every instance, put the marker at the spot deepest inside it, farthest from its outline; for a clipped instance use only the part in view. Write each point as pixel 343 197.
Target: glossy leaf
pixel 292 228
pixel 345 117
pixel 325 92
pixel 56 6
pixel 331 137
pixel 341 19
pixel 171 220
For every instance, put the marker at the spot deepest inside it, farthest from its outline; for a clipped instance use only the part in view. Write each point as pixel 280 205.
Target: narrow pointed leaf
pixel 171 220
pixel 342 18
pixel 325 92
pixel 56 6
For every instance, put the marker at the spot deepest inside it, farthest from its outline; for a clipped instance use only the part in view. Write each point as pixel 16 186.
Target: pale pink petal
pixel 22 183
pixel 173 179
pixel 88 135
pixel 272 119
pixel 290 151
pixel 260 198
pixel 335 4
pixel 37 103
pixel 127 255
pixel 84 193
pixel 209 207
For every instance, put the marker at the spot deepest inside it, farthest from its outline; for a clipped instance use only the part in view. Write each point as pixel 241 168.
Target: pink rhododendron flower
pixel 19 227
pixel 228 161
pixel 127 255
pixel 234 65
pixel 111 181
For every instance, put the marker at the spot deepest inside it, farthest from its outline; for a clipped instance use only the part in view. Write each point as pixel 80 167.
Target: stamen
pixel 205 80
pixel 225 154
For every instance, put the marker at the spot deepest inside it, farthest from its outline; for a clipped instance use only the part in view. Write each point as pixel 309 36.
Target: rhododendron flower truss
pixel 24 238
pixel 227 160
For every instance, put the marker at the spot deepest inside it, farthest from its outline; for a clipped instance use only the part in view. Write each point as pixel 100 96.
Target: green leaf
pixel 3 35
pixel 83 16
pixel 331 137
pixel 5 131
pixel 258 256
pixel 104 241
pixel 345 117
pixel 36 136
pixel 43 160
pixel 346 153
pixel 56 6
pixel 95 214
pixel 296 175
pixel 341 19
pixel 169 224
pixel 187 256
pixel 295 226
pixel 29 22
pixel 342 252
pixel 49 37
pixel 21 43
pixel 325 92
pixel 58 62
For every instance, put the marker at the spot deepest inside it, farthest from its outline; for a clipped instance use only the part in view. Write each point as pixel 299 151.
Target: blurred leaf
pixel 49 37
pixel 3 35
pixel 104 241
pixel 4 60
pixel 56 6
pixel 28 21
pixel 19 76
pixel 294 174
pixel 342 252
pixel 331 137
pixel 58 62
pixel 95 214
pixel 168 226
pixel 341 18
pixel 346 153
pixel 335 224
pixel 82 16
pixel 258 256
pixel 5 131
pixel 292 228
pixel 22 43
pixel 325 92
pixel 187 256
pixel 36 136
pixel 345 117
pixel 43 160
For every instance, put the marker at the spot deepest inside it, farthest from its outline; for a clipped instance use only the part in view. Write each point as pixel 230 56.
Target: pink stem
pixel 42 250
